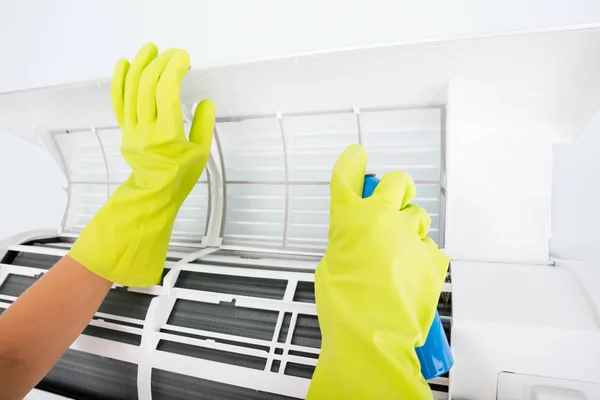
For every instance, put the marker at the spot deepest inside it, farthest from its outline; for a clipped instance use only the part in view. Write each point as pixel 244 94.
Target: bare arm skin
pixel 43 322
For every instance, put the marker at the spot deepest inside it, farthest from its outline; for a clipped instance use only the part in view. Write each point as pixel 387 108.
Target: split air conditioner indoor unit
pixel 487 127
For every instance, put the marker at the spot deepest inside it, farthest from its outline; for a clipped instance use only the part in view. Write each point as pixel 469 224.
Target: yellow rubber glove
pixel 126 242
pixel 377 288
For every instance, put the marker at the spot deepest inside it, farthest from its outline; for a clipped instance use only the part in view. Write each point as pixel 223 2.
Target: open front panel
pixel 221 323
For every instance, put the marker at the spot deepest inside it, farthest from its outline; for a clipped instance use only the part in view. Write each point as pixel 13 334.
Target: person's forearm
pixel 43 322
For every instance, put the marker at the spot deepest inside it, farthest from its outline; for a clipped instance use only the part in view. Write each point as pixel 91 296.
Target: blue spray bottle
pixel 435 355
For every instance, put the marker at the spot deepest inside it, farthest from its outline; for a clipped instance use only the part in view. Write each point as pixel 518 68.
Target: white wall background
pixel 51 42
pixel 575 211
pixel 32 195
pixel 575 196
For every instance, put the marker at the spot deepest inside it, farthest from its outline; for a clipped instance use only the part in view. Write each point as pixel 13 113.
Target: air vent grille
pixel 222 320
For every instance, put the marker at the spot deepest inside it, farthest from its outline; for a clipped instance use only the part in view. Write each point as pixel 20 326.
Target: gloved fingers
pixel 348 175
pixel 396 189
pixel 132 83
pixel 418 218
pixel 117 90
pixel 203 125
pixel 169 86
pixel 146 103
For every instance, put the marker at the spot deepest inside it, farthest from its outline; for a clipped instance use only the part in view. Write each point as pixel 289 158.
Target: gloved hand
pixel 126 242
pixel 377 288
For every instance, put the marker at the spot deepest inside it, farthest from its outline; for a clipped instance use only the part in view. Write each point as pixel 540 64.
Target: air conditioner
pixel 492 130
